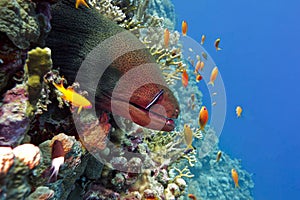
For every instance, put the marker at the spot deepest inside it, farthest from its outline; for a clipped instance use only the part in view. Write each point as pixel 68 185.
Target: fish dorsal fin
pixel 70 89
pixel 58 86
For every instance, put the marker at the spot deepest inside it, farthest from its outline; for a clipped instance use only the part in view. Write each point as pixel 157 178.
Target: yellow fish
pixel 203 117
pixel 219 154
pixel 76 99
pixel 79 2
pixel 202 39
pixel 217 42
pixel 188 136
pixel 184 28
pixel 238 111
pixel 213 76
pixel 235 177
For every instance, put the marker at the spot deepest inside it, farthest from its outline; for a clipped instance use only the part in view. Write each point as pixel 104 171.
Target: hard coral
pixel 28 154
pixel 6 160
pixel 18 22
pixel 37 65
pixel 41 193
pixel 13 120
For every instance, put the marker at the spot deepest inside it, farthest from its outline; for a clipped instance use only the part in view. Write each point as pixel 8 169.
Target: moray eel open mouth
pixel 153 117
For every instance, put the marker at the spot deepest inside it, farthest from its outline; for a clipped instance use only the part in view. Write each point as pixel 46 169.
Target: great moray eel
pixel 77 32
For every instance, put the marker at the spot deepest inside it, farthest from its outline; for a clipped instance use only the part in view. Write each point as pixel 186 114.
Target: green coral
pixel 18 22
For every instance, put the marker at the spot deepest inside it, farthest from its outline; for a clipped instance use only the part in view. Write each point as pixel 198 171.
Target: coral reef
pixel 214 179
pixel 23 25
pixel 13 119
pixel 18 22
pixel 103 156
pixel 37 65
pixel 18 163
pixel 163 9
pixel 108 9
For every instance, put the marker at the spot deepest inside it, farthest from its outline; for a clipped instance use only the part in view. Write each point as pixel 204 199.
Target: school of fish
pixel 203 114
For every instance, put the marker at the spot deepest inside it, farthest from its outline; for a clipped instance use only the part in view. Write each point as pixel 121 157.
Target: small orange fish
pixel 217 42
pixel 203 117
pixel 238 111
pixel 185 78
pixel 79 2
pixel 191 196
pixel 166 37
pixel 213 76
pixel 235 177
pixel 76 99
pixel 199 66
pixel 198 78
pixel 202 39
pixel 219 154
pixel 184 28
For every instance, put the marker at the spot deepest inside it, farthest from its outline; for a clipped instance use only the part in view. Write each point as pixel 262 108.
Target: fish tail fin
pixel 53 176
pixel 79 110
pixel 219 49
pixel 211 83
pixel 237 185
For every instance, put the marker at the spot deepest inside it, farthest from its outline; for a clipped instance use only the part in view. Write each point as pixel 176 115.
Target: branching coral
pixel 106 8
pixel 185 172
pixel 169 58
pixel 191 158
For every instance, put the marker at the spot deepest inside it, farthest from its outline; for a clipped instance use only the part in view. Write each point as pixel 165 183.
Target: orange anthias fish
pixel 203 117
pixel 202 39
pixel 199 66
pixel 235 177
pixel 213 76
pixel 184 28
pixel 198 78
pixel 79 2
pixel 217 42
pixel 166 37
pixel 185 78
pixel 76 99
pixel 238 111
pixel 191 196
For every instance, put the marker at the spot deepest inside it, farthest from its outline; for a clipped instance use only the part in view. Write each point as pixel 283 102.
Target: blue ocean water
pixel 260 67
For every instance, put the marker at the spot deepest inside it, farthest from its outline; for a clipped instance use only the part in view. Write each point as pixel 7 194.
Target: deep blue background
pixel 260 67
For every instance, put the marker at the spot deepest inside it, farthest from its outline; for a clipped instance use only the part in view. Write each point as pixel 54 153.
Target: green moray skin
pixel 76 32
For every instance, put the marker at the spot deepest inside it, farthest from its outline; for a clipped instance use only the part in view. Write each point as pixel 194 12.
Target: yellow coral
pixel 183 173
pixel 37 65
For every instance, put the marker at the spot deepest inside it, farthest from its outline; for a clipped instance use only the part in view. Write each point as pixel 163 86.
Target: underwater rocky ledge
pixel 41 154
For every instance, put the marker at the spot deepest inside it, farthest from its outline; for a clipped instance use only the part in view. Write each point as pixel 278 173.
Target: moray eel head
pixel 145 100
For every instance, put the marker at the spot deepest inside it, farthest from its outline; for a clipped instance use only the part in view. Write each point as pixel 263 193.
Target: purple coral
pixel 13 120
